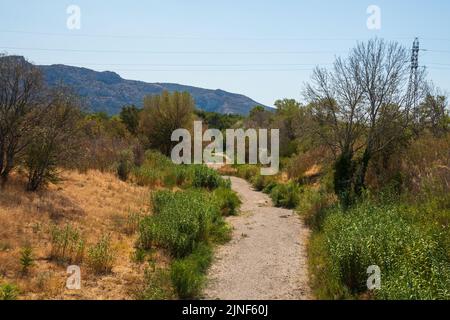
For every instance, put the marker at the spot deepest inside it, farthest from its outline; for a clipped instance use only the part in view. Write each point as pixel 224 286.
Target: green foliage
pixel 67 244
pixel 343 176
pixel 180 221
pixel 130 117
pixel 217 120
pixel 286 195
pixel 246 171
pixel 312 206
pixel 227 200
pixel 26 259
pixel 205 177
pixel 188 274
pixel 159 170
pixel 186 224
pixel 101 256
pixel 8 292
pixel 125 164
pixel 158 285
pixel 162 115
pixel 413 257
pixel 260 182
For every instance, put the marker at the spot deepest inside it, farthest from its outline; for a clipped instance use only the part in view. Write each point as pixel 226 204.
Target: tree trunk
pixel 343 174
pixel 360 177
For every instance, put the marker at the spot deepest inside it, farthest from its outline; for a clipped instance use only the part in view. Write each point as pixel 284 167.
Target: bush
pixel 8 292
pixel 247 171
pixel 26 259
pixel 67 244
pixel 413 257
pixel 101 256
pixel 286 195
pixel 158 285
pixel 188 274
pixel 126 160
pixel 146 176
pixel 204 177
pixel 312 206
pixel 260 182
pixel 180 221
pixel 228 201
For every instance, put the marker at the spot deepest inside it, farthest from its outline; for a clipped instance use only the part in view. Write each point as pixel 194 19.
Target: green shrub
pixel 26 259
pixel 208 178
pixel 246 171
pixel 312 206
pixel 125 164
pixel 286 195
pixel 260 182
pixel 101 256
pixel 413 259
pixel 67 244
pixel 188 274
pixel 269 187
pixel 158 285
pixel 147 176
pixel 227 200
pixel 180 221
pixel 132 223
pixel 158 170
pixel 8 292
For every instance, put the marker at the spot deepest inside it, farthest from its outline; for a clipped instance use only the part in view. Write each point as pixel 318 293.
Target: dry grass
pixel 93 202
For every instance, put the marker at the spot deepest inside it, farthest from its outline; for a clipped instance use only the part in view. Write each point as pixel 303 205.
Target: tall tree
pixel 130 117
pixel 22 105
pixel 163 114
pixel 363 105
pixel 55 141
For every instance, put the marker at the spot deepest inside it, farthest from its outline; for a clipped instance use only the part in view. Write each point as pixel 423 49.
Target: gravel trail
pixel 266 258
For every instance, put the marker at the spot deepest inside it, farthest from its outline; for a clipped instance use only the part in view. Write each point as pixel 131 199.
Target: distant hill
pixel 107 91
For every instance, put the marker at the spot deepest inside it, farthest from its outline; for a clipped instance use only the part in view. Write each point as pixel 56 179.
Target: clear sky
pixel 260 48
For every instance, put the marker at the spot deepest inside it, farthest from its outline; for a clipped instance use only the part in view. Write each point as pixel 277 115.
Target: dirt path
pixel 266 259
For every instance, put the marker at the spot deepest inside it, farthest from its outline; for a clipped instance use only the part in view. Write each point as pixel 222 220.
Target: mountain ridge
pixel 107 91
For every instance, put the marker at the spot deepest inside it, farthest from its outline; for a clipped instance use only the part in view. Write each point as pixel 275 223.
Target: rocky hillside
pixel 107 91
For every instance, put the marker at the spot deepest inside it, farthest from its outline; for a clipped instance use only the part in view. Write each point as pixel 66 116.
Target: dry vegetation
pixel 95 203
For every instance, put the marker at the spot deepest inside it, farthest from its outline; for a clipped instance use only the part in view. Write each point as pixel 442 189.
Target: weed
pixel 101 256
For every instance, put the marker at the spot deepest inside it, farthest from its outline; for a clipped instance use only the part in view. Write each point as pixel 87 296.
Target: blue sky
pixel 263 49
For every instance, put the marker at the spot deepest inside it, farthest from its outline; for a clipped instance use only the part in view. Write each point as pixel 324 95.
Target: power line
pixel 191 65
pixel 169 52
pixel 179 37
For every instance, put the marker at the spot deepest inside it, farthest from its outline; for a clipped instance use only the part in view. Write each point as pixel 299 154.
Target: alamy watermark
pixel 374 279
pixel 74 20
pixel 73 282
pixel 258 151
pixel 374 20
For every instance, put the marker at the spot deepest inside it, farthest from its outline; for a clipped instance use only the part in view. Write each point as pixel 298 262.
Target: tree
pixel 434 114
pixel 22 104
pixel 286 118
pixel 54 142
pixel 363 106
pixel 130 117
pixel 259 117
pixel 163 114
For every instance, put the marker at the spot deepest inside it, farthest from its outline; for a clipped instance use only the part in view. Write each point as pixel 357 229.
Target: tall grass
pixel 101 256
pixel 67 244
pixel 180 221
pixel 413 257
pixel 286 195
pixel 186 224
pixel 227 200
pixel 8 292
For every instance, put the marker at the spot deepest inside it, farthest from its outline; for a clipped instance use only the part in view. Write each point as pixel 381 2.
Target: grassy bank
pixel 186 223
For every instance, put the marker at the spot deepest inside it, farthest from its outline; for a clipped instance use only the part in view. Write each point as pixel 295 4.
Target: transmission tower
pixel 413 79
